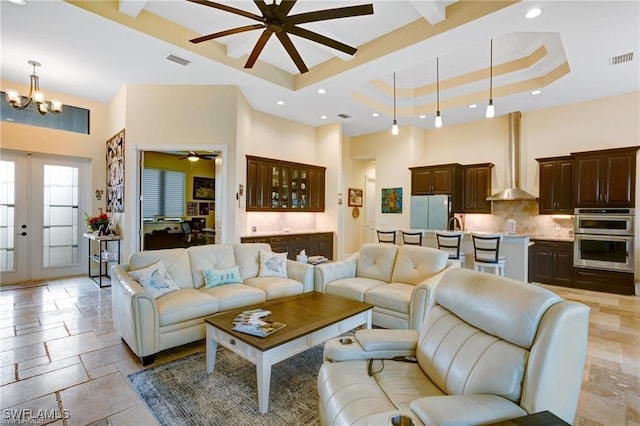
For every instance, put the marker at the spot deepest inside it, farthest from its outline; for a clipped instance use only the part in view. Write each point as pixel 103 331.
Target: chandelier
pixel 35 96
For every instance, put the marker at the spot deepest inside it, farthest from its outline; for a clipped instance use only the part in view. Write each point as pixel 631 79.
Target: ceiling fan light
pixel 192 158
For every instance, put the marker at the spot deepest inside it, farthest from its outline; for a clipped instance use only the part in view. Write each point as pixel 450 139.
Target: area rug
pixel 182 393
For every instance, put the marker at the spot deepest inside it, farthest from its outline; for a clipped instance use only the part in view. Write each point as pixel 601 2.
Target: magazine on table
pixel 263 329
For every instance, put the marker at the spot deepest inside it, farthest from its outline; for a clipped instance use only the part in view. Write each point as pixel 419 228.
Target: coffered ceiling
pixel 92 48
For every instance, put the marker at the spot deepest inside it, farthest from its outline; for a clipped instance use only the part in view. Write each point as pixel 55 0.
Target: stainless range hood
pixel 513 191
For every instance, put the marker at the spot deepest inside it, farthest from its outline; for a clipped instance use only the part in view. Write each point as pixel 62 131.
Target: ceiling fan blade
pixel 257 49
pixel 319 38
pixel 267 11
pixel 285 7
pixel 292 51
pixel 326 14
pixel 228 9
pixel 226 33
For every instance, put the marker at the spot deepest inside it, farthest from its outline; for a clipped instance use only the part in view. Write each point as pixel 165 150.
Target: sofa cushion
pixel 209 256
pixel 248 258
pixel 376 261
pixel 415 264
pixel 155 279
pixel 352 288
pixel 394 296
pixel 273 264
pixel 276 287
pixel 233 296
pixel 184 305
pixel 214 277
pixel 176 261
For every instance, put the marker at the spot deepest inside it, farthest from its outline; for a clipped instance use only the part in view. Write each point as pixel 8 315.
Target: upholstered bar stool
pixel 487 253
pixel 387 237
pixel 450 242
pixel 412 238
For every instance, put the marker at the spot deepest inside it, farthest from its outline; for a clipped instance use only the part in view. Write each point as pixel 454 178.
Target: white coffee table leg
pixel 212 348
pixel 263 374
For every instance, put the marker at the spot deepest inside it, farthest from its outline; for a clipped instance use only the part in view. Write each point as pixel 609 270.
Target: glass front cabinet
pixel 274 185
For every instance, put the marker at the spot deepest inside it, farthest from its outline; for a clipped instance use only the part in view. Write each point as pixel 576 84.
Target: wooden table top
pixel 303 314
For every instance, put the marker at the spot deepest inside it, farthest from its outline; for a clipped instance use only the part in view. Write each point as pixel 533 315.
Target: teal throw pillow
pixel 215 277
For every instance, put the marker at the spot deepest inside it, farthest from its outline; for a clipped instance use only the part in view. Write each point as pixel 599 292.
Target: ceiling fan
pixel 194 156
pixel 276 20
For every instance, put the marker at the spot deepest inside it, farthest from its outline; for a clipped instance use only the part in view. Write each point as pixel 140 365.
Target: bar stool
pixel 386 236
pixel 412 238
pixel 487 253
pixel 450 241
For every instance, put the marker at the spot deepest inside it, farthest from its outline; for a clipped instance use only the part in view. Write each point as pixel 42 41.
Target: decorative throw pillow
pixel 273 264
pixel 214 277
pixel 155 279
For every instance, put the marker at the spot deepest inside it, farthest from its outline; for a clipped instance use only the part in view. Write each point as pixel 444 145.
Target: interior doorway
pixel 370 210
pixel 42 203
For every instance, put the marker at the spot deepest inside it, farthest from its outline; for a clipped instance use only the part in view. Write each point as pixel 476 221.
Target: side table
pixel 103 263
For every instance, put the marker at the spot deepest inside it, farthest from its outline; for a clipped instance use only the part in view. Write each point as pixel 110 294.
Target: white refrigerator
pixel 430 211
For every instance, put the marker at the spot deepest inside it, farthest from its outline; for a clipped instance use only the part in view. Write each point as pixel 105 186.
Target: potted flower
pixel 94 223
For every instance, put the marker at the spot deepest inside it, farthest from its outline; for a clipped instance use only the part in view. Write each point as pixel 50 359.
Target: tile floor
pixel 59 352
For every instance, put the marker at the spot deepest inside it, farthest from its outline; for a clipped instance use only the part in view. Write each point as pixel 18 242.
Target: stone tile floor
pixel 60 355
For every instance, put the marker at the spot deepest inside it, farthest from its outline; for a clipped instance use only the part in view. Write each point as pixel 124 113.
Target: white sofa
pixel 490 349
pixel 397 280
pixel 149 325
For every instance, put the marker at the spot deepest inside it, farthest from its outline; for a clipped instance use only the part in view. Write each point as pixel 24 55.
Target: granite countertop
pixel 554 238
pixel 278 233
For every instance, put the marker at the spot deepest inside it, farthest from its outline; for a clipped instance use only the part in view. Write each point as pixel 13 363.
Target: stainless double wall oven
pixel 604 239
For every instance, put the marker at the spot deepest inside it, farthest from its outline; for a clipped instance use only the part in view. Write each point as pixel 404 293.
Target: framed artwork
pixel 355 197
pixel 192 208
pixel 392 200
pixel 204 188
pixel 203 209
pixel 115 173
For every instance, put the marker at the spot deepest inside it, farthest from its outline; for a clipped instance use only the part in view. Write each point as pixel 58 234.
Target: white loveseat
pixel 397 280
pixel 490 349
pixel 149 325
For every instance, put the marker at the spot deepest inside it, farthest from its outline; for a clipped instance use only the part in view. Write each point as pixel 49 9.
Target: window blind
pixel 163 193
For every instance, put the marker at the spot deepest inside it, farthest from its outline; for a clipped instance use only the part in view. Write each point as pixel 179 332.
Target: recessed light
pixel 535 92
pixel 323 117
pixel 375 114
pixel 20 2
pixel 280 102
pixel 321 91
pixel 533 13
pixel 422 116
pixel 473 106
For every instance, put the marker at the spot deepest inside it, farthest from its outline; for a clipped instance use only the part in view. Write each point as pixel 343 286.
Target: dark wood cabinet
pixel 314 244
pixel 605 178
pixel 552 262
pixel 274 185
pixel 605 281
pixel 441 179
pixel 476 188
pixel 556 185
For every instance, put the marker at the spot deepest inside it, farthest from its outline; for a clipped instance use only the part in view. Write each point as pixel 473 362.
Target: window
pixel 163 193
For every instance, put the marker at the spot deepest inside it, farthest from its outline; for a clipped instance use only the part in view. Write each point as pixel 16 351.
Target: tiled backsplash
pixel 528 221
pixel 280 222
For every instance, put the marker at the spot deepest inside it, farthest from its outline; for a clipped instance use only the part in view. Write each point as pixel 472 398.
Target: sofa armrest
pixel 465 409
pixel 301 272
pixel 422 296
pixel 332 271
pixel 372 344
pixel 135 313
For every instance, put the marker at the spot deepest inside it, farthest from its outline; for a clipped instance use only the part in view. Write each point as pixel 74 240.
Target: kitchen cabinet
pixel 440 179
pixel 476 188
pixel 606 281
pixel 556 185
pixel 605 178
pixel 552 262
pixel 314 244
pixel 274 185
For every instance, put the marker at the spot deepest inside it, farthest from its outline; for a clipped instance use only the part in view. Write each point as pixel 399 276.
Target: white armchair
pixel 490 349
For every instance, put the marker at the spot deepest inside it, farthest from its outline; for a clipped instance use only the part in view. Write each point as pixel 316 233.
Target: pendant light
pixel 491 112
pixel 394 127
pixel 438 122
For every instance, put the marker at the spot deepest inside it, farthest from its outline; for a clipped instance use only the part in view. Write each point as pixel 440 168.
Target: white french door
pixel 42 203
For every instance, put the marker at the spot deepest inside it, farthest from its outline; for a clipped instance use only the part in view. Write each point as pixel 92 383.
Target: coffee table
pixel 311 318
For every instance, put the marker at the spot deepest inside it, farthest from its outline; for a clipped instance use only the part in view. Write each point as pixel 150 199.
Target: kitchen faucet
pixel 456 224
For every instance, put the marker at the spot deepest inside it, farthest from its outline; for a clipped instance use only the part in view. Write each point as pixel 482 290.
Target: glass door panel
pixel 60 216
pixel 7 215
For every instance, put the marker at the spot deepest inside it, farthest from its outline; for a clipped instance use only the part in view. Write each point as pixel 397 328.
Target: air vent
pixel 345 116
pixel 178 60
pixel 621 59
